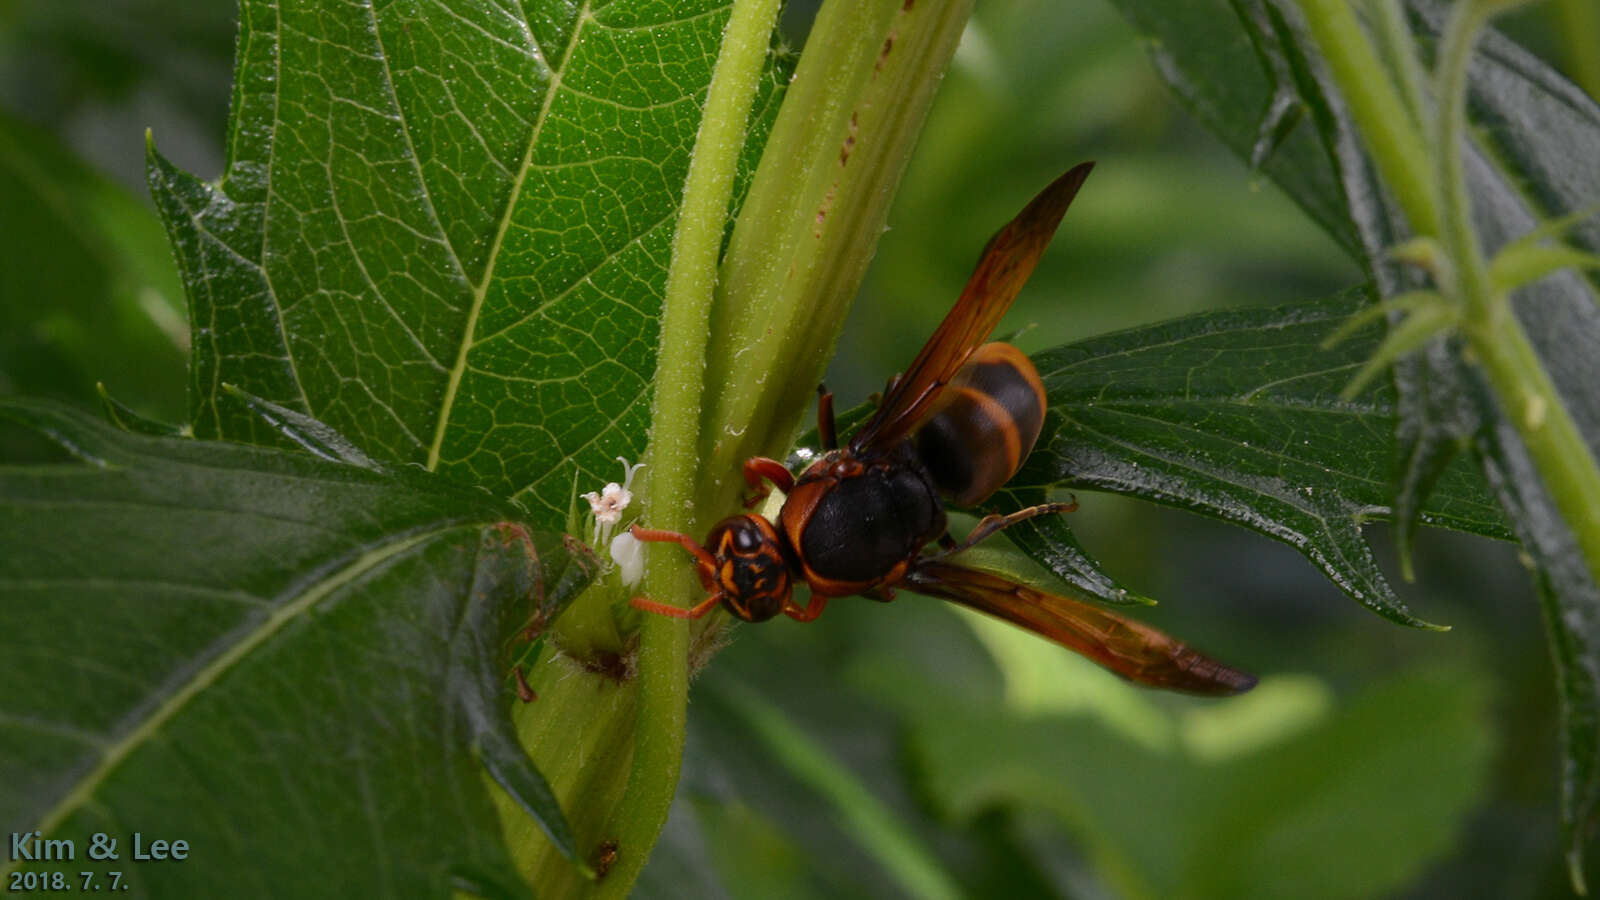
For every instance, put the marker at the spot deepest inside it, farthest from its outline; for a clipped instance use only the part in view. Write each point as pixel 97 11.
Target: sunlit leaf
pixel 446 233
pixel 1238 415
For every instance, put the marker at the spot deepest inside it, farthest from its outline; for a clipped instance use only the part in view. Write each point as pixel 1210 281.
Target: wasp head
pixel 752 572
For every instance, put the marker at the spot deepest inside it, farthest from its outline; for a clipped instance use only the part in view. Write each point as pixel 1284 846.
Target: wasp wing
pixel 1007 261
pixel 1127 647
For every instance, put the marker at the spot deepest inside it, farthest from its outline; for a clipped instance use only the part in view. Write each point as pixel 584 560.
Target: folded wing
pixel 1127 647
pixel 1007 261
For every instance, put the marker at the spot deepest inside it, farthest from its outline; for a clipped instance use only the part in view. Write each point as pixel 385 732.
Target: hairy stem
pixel 1395 40
pixel 1436 203
pixel 1393 138
pixel 1526 393
pixel 674 458
pixel 812 218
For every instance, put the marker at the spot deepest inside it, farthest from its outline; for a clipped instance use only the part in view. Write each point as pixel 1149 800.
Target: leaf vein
pixel 480 290
pixel 148 728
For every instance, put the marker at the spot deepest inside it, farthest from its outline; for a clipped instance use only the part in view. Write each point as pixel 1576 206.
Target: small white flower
pixel 608 504
pixel 628 553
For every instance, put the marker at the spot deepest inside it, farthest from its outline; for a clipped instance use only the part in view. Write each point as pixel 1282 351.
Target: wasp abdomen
pixel 862 527
pixel 988 419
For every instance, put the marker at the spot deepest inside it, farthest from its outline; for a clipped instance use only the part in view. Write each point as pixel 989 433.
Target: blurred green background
pixel 906 749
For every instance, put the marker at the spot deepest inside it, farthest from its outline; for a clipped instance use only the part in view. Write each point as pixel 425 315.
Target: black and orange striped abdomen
pixel 985 425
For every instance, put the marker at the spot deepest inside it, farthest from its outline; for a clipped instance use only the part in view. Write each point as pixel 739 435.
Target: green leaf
pixel 1524 168
pixel 315 649
pixel 1236 415
pixel 1049 541
pixel 1516 266
pixel 309 434
pixel 1424 324
pixel 826 777
pixel 1168 821
pixel 124 417
pixel 88 292
pixel 1528 163
pixel 445 233
pixel 1225 65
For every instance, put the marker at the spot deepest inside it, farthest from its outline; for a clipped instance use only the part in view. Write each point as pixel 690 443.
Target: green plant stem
pixel 663 676
pixel 1458 236
pixel 1397 45
pixel 1436 204
pixel 574 709
pixel 801 245
pixel 1392 137
pixel 1529 398
pixel 1563 458
pixel 811 220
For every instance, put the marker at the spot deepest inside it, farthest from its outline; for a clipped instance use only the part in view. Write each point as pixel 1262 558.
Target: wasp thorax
pixel 752 574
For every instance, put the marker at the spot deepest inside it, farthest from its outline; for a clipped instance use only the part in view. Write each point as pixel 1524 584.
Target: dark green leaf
pixel 1050 541
pixel 1237 415
pixel 1225 65
pixel 1526 165
pixel 88 292
pixel 732 761
pixel 446 233
pixel 1529 160
pixel 892 844
pixel 198 634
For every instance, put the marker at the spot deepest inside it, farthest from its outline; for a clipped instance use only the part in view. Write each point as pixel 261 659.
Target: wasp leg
pixel 676 612
pixel 806 613
pixel 689 544
pixel 705 563
pixel 826 429
pixel 758 468
pixel 946 542
pixel 990 524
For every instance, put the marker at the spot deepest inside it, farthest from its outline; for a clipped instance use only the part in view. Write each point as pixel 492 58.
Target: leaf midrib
pixel 481 289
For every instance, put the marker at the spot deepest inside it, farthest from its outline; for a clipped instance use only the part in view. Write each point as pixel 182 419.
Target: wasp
pixel 868 518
